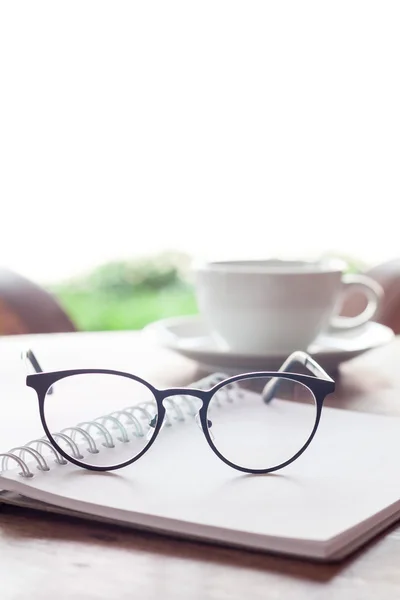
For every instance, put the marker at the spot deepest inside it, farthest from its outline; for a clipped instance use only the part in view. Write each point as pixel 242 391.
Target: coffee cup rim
pixel 274 266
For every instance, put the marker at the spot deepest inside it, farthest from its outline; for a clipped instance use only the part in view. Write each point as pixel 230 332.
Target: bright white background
pixel 235 128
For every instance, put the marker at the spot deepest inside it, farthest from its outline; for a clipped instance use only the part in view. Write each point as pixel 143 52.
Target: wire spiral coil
pixel 109 426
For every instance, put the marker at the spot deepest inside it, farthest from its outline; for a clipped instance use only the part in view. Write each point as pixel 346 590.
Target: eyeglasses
pixel 254 422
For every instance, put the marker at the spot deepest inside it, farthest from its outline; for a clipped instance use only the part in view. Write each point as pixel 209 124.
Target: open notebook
pixel 342 491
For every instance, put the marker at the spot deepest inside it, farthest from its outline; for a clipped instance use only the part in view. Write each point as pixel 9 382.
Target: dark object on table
pixel 25 307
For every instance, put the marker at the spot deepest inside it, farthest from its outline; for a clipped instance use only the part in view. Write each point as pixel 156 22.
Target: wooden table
pixel 48 557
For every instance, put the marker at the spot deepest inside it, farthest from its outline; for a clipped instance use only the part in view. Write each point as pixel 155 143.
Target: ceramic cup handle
pixel 373 292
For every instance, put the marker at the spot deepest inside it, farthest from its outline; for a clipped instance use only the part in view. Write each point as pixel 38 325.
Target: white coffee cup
pixel 278 306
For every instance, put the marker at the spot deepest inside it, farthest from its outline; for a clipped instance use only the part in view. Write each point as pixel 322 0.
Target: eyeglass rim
pixel 318 399
pixel 42 382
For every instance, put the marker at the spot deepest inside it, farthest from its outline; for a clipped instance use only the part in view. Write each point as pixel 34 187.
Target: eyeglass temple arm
pixel 296 358
pixel 29 357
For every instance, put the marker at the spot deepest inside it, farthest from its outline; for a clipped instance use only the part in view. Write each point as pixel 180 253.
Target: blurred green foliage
pixel 129 294
pixel 152 274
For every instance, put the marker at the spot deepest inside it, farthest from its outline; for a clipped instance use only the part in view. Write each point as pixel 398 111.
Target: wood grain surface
pixel 51 557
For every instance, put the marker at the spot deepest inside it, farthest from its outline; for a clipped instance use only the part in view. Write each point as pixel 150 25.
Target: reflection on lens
pixel 101 419
pixel 256 435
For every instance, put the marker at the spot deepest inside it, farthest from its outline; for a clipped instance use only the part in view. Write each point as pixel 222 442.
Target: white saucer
pixel 190 337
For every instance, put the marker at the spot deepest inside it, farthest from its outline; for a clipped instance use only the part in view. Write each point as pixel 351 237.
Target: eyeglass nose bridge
pixel 201 395
pixel 195 393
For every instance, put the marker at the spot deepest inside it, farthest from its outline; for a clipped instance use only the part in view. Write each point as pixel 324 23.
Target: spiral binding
pixel 181 406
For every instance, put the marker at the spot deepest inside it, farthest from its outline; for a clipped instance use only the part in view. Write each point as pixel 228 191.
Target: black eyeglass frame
pixel 319 383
